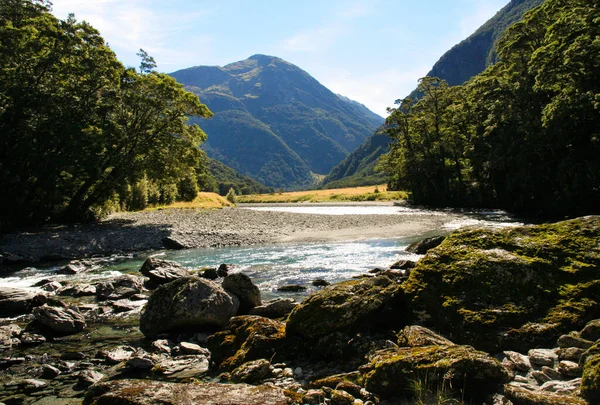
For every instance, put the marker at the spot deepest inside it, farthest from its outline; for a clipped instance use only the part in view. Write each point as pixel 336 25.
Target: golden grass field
pixel 202 201
pixel 367 193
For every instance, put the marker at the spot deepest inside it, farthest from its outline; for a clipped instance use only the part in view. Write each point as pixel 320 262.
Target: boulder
pixel 403 265
pixel 223 270
pixel 522 396
pixel 291 288
pixel 184 304
pixel 16 301
pixel 393 372
pixel 161 271
pixel 319 282
pixel 242 287
pixel 209 273
pixel 510 289
pixel 248 338
pixel 590 381
pixel 423 246
pixel 188 366
pixel 276 308
pixel 172 243
pixel 143 392
pixel 350 306
pixel 252 371
pixel 59 321
pixel 591 331
pixel 120 287
pixel 414 336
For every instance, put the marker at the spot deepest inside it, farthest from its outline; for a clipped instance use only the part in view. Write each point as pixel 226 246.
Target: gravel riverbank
pixel 139 231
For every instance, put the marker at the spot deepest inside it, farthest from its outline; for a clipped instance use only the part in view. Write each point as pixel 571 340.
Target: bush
pixel 231 196
pixel 187 189
pixel 139 195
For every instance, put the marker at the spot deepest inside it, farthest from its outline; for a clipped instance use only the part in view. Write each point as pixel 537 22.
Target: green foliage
pixel 524 135
pixel 231 196
pixel 77 128
pixel 187 188
pixel 224 178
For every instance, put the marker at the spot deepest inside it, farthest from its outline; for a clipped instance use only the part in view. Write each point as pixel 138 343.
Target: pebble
pixel 191 348
pixel 542 357
pixel 516 361
pixel 49 372
pixel 140 363
pixel 569 369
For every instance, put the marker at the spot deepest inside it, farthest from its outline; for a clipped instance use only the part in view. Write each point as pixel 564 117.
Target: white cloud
pixel 322 37
pixel 128 25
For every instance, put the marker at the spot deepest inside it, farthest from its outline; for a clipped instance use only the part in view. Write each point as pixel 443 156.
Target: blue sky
pixel 372 51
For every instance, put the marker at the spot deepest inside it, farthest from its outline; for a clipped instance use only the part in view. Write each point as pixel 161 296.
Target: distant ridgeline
pixel 274 122
pixel 465 60
pixel 524 135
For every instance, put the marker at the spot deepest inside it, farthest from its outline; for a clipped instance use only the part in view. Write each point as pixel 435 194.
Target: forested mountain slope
pixel 274 122
pixel 465 60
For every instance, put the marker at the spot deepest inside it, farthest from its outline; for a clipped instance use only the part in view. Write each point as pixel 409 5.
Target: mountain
pixel 225 178
pixel 465 60
pixel 274 122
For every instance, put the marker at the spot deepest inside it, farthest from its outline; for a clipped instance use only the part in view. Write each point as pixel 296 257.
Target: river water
pixel 276 265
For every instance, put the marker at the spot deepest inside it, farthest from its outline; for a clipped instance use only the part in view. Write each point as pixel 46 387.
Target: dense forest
pixel 80 133
pixel 524 135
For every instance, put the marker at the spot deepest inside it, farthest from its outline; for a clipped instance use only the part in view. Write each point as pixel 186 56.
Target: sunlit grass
pixel 202 201
pixel 366 193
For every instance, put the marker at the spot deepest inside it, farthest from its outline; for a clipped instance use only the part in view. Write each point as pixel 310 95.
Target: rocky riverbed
pixel 149 230
pixel 506 317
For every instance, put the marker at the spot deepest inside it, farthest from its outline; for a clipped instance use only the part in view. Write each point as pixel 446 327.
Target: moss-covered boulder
pixel 521 396
pixel 415 336
pixel 510 289
pixel 248 338
pixel 350 306
pixel 461 368
pixel 590 381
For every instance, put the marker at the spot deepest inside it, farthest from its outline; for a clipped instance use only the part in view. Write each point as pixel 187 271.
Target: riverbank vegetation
pixel 81 133
pixel 203 200
pixel 355 194
pixel 524 135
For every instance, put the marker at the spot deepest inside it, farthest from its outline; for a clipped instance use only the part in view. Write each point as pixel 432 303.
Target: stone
pixel 570 353
pixel 423 246
pixel 591 331
pixel 191 348
pixel 314 397
pixel 161 271
pixel 59 321
pixel 125 305
pixel 248 338
pixel 163 346
pixel 542 357
pixel 291 288
pixel 414 335
pixel 119 287
pixel 50 372
pixel 187 366
pixel 31 384
pixel 275 308
pixel 350 306
pixel 341 398
pixel 143 392
pixel 209 274
pixel 351 388
pixel 516 361
pixel 70 269
pixel 569 369
pixel 540 376
pixel 477 374
pixel 51 286
pixel 32 339
pixel 319 282
pixel 187 303
pixel 522 396
pixel 512 289
pixel 140 363
pixel 79 290
pixel 403 265
pixel 562 387
pixel 86 378
pixel 552 373
pixel 119 354
pixel 574 341
pixel 223 270
pixel 242 287
pixel 16 301
pixel 172 243
pixel 252 371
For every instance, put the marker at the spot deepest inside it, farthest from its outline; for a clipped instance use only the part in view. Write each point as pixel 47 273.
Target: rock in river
pixel 241 285
pixel 15 301
pixel 350 306
pixel 162 271
pixel 120 287
pixel 185 304
pixel 512 288
pixel 60 321
pixel 141 392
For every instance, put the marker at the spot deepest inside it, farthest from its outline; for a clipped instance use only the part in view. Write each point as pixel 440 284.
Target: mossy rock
pixel 590 381
pixel 510 289
pixel 522 396
pixel 351 306
pixel 415 336
pixel 460 368
pixel 248 338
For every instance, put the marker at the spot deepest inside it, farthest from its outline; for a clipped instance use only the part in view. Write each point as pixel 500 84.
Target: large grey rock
pixel 187 303
pixel 190 366
pixel 276 308
pixel 120 287
pixel 60 321
pixel 16 301
pixel 243 288
pixel 142 392
pixel 252 371
pixel 421 247
pixel 163 271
